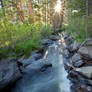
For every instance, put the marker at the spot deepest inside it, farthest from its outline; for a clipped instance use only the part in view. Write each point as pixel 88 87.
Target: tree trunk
pixel 86 26
pixel 21 5
pixel 31 10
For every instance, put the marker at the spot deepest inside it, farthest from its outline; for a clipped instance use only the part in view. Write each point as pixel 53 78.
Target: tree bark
pixel 31 10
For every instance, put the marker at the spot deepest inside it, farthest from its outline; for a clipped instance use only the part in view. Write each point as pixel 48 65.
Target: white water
pixel 54 79
pixel 61 74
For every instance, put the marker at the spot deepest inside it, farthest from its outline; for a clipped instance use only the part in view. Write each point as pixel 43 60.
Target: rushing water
pixel 53 79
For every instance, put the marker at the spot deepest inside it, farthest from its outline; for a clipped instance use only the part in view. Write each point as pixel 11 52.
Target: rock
pixel 69 40
pixel 45 67
pixel 54 37
pixel 35 56
pixel 81 88
pixel 9 72
pixel 75 77
pixel 46 42
pixel 65 37
pixel 78 63
pixel 86 52
pixel 74 47
pixel 66 53
pixel 76 57
pixel 85 71
pixel 36 66
pixel 86 49
pixel 67 64
pixel 88 42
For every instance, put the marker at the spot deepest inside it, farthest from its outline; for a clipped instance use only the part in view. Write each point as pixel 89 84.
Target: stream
pixel 53 79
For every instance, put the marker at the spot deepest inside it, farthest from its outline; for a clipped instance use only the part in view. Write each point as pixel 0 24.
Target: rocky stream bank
pixel 79 63
pixel 45 71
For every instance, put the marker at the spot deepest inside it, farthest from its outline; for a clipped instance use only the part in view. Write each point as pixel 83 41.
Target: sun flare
pixel 58 6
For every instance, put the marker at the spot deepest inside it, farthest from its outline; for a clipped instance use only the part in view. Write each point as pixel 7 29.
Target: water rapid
pixel 53 79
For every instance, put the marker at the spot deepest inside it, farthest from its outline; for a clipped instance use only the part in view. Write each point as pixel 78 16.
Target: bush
pixel 17 38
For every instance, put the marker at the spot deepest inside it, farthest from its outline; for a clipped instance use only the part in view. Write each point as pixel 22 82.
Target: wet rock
pixel 76 57
pixel 78 63
pixel 75 77
pixel 69 40
pixel 35 56
pixel 54 37
pixel 66 53
pixel 81 88
pixel 45 67
pixel 68 67
pixel 74 47
pixel 46 42
pixel 36 66
pixel 9 72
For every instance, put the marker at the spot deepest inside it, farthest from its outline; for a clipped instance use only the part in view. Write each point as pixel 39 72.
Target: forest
pixel 45 45
pixel 23 23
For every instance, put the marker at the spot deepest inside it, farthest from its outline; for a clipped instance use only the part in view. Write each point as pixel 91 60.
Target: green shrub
pixel 29 45
pixel 17 38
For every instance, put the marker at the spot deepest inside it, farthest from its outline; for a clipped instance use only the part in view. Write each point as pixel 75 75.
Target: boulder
pixel 88 42
pixel 74 47
pixel 76 57
pixel 85 71
pixel 9 72
pixel 54 37
pixel 86 49
pixel 86 52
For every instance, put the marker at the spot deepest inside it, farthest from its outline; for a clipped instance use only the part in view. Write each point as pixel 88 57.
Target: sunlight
pixel 58 6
